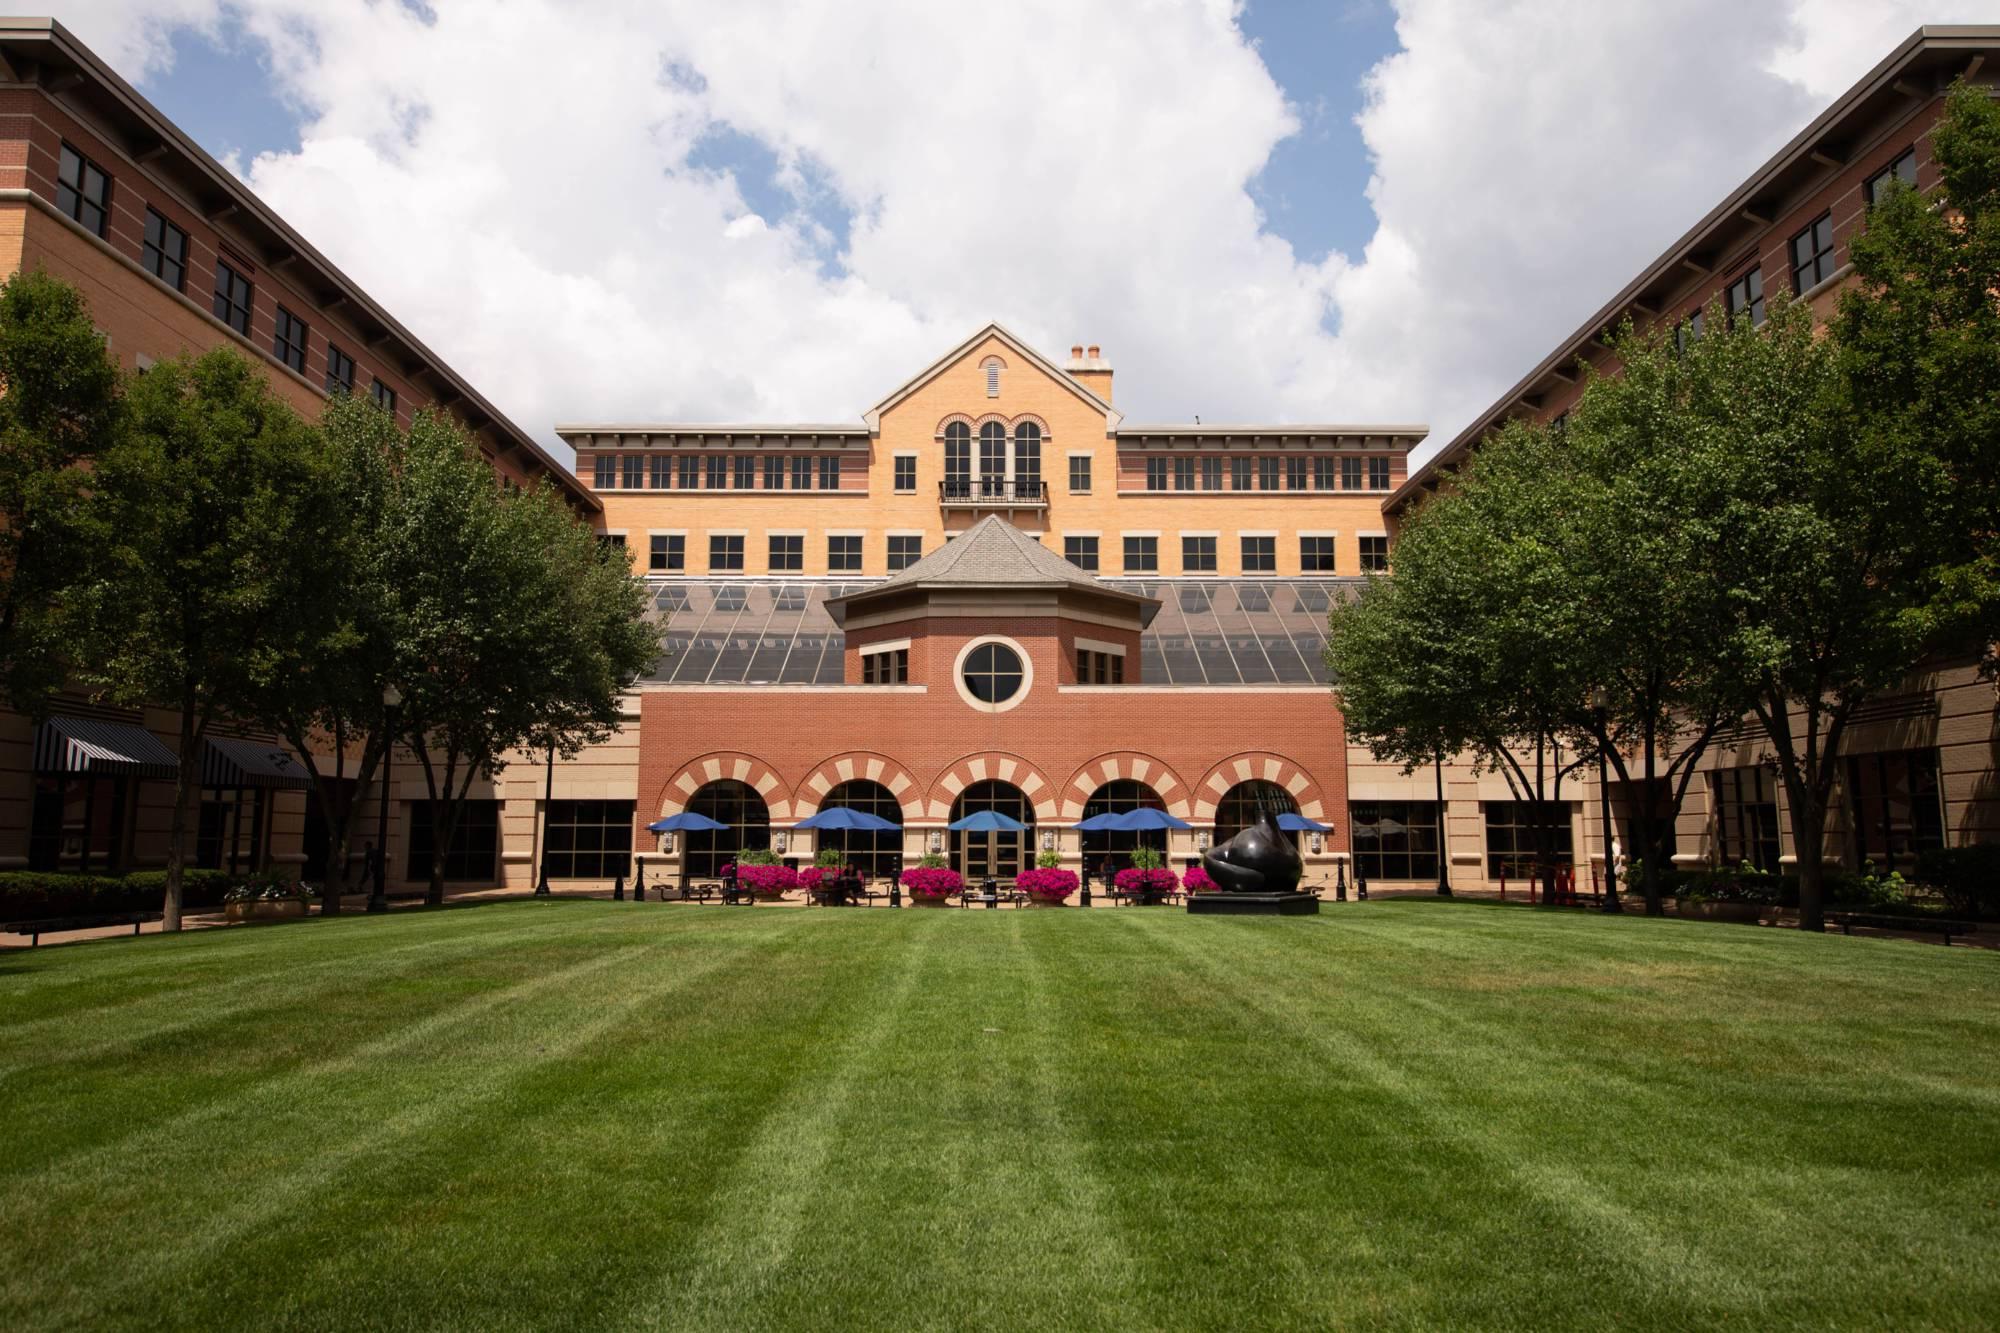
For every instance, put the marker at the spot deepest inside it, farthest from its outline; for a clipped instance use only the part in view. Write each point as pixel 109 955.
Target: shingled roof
pixel 993 553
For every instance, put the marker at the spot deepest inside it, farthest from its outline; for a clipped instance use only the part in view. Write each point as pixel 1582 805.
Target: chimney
pixel 1091 370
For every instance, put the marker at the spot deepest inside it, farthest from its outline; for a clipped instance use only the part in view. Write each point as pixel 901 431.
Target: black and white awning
pixel 230 762
pixel 93 746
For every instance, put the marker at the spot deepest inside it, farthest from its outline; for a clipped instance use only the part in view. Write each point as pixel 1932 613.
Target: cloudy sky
pixel 1352 210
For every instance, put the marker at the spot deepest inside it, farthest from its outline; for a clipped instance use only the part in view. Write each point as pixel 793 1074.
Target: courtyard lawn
pixel 571 1114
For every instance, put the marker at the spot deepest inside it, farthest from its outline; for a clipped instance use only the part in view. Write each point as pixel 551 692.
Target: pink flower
pixel 1157 880
pixel 1197 881
pixel 932 882
pixel 1047 883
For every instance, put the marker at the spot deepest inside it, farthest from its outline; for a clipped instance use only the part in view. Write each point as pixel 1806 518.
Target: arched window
pixel 958 459
pixel 875 853
pixel 1241 806
pixel 991 365
pixel 992 458
pixel 1001 855
pixel 1115 798
pixel 748 827
pixel 1028 458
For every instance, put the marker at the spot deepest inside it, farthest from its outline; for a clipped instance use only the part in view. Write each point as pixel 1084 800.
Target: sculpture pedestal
pixel 1253 904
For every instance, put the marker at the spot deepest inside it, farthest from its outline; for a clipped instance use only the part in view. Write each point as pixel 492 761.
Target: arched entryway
pixel 748 826
pixel 1000 855
pixel 874 854
pixel 1242 804
pixel 1115 798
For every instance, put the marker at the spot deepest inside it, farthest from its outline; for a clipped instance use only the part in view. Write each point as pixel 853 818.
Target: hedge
pixel 1968 878
pixel 34 895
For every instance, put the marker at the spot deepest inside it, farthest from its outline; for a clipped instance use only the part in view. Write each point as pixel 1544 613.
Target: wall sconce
pixel 783 840
pixel 1201 841
pixel 667 842
pixel 1048 839
pixel 937 840
pixel 1316 844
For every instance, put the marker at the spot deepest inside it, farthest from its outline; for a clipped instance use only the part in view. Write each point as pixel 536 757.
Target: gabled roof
pixel 1055 372
pixel 993 553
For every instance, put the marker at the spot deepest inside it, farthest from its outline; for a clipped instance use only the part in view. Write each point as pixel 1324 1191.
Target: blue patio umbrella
pixel 686 821
pixel 1130 821
pixel 988 821
pixel 840 817
pixel 1292 823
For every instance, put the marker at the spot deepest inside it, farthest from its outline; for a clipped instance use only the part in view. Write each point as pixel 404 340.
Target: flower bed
pixel 929 884
pixel 766 881
pixel 1046 885
pixel 1197 881
pixel 1147 885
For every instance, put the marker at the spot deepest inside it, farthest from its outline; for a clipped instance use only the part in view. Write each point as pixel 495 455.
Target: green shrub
pixel 1147 858
pixel 1967 878
pixel 758 856
pixel 199 888
pixel 1745 884
pixel 1048 860
pixel 35 895
pixel 830 858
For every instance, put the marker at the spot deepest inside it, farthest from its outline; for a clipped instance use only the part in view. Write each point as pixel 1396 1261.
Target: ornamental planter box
pixel 264 909
pixel 1742 913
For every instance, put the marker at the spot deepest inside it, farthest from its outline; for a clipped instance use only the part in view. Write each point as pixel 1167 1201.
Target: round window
pixel 992 673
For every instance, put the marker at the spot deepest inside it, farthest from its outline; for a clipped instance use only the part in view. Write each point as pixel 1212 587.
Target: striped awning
pixel 92 745
pixel 230 762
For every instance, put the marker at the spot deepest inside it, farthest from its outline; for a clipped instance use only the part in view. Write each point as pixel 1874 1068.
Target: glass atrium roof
pixel 1207 632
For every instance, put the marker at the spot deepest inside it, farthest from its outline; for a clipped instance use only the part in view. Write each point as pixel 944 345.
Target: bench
pixel 34 930
pixel 1847 921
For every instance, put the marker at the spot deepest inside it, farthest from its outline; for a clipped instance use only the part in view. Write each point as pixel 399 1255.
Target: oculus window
pixel 993 673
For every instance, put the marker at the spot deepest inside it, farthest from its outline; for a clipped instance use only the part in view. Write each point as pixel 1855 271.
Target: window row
pixel 1258 554
pixel 83 192
pixel 717 472
pixel 666 552
pixel 1266 472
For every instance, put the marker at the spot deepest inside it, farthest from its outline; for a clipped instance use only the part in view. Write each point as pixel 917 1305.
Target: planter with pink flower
pixel 761 873
pixel 932 886
pixel 1197 880
pixel 1046 886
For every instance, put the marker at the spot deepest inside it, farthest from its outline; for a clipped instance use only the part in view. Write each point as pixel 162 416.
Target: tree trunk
pixel 1808 839
pixel 187 787
pixel 1649 820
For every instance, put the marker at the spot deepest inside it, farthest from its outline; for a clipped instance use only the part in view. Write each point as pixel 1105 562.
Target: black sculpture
pixel 1260 859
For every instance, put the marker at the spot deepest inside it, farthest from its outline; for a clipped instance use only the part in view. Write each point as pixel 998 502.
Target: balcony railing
pixel 994 493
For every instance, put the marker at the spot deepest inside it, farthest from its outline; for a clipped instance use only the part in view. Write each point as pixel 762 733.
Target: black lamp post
pixel 548 801
pixel 1444 859
pixel 1600 706
pixel 392 699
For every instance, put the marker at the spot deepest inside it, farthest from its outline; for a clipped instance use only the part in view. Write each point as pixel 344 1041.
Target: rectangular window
pixel 1079 475
pixel 288 340
pixel 1511 836
pixel 1903 169
pixel 725 553
pixel 1688 330
pixel 1746 815
pixel 1197 555
pixel 690 470
pixel 588 839
pixel 1746 297
pixel 746 472
pixel 774 473
pixel 1350 474
pixel 1098 668
pixel 1267 474
pixel 802 473
pixel 1895 806
pixel 1142 555
pixel 669 553
pixel 843 555
pixel 906 475
pixel 904 551
pixel 788 554
pixel 635 472
pixel 475 842
pixel 604 472
pixel 339 370
pixel 890 666
pixel 1316 555
pixel 1081 552
pixel 716 466
pixel 829 472
pixel 615 540
pixel 1395 839
pixel 1183 474
pixel 1322 474
pixel 1295 474
pixel 83 191
pixel 1374 555
pixel 166 251
pixel 1239 474
pixel 1378 474
pixel 233 297
pixel 385 397
pixel 662 468
pixel 1211 474
pixel 1156 474
pixel 1260 555
pixel 1812 255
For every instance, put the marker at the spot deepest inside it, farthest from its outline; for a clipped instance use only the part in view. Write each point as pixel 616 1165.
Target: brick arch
pixel 961 417
pixel 984 417
pixel 1258 765
pixel 859 764
pixel 698 773
pixel 1032 419
pixel 990 358
pixel 993 765
pixel 1124 764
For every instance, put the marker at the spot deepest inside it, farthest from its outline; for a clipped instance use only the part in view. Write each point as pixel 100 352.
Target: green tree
pixel 515 627
pixel 198 506
pixel 61 405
